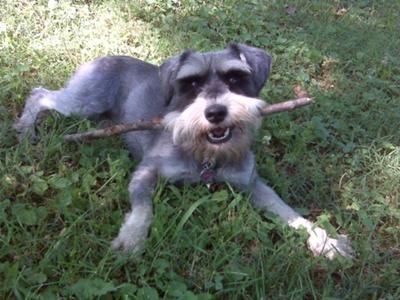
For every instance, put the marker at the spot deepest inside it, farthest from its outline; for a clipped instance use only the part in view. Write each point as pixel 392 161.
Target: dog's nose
pixel 216 113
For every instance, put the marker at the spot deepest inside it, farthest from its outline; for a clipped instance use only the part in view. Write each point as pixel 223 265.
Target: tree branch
pixel 285 106
pixel 156 123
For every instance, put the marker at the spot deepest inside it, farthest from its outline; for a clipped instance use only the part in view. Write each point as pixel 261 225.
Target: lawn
pixel 337 162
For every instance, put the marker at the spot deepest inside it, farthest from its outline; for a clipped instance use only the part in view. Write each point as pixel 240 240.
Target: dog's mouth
pixel 219 135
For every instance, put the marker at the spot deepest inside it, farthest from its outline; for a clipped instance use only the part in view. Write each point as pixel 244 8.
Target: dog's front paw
pixel 321 244
pixel 134 231
pixel 127 244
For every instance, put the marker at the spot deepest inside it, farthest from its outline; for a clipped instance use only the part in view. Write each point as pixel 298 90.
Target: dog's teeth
pixel 212 136
pixel 219 135
pixel 225 133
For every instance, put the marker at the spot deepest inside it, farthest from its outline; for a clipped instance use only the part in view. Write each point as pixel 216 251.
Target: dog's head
pixel 212 99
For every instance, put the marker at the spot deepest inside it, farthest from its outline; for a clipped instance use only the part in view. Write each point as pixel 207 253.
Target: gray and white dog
pixel 208 102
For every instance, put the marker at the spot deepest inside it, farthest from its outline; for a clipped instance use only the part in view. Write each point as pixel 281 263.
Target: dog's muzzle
pixel 216 114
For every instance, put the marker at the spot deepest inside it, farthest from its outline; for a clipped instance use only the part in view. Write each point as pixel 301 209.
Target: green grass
pixel 338 161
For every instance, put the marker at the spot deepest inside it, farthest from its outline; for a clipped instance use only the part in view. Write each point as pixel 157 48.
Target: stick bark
pixel 156 123
pixel 285 106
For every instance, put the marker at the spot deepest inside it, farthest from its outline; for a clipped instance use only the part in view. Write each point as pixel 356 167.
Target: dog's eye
pixel 191 83
pixel 233 80
pixel 194 82
pixel 235 77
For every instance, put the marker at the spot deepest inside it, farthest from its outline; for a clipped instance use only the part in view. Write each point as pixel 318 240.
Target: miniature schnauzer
pixel 208 102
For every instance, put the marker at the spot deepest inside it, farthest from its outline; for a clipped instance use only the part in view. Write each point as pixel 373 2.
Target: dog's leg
pixel 39 101
pixel 134 230
pixel 264 198
pixel 42 100
pixel 70 100
pixel 95 89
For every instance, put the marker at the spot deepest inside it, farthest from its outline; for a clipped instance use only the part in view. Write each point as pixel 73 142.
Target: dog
pixel 210 108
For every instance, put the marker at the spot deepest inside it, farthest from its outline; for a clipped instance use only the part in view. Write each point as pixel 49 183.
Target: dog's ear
pixel 259 61
pixel 168 72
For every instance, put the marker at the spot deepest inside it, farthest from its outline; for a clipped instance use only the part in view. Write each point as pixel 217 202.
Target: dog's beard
pixel 191 130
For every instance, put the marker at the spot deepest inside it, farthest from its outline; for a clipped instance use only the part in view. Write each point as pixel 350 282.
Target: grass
pixel 338 162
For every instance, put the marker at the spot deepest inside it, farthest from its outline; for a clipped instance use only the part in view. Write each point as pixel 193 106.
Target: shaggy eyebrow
pixel 234 65
pixel 194 66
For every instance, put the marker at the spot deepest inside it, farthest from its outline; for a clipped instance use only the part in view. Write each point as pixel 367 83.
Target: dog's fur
pixel 210 108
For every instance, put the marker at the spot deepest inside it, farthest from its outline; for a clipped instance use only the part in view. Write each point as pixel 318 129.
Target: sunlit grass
pixel 337 162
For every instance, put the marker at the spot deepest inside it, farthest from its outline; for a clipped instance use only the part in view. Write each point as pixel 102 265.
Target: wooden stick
pixel 156 123
pixel 285 106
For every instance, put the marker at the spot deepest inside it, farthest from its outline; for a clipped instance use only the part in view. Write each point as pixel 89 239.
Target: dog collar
pixel 208 174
